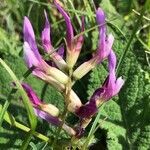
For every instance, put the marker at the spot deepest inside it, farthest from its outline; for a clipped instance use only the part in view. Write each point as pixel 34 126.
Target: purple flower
pixel 105 43
pixel 49 118
pixel 46 41
pixel 57 57
pixel 112 84
pixel 31 94
pixel 30 47
pixel 44 111
pixel 33 58
pixel 110 88
pixel 47 112
pixel 104 47
pixel 37 103
pixel 42 70
pixel 87 110
pixel 60 52
pixel 74 45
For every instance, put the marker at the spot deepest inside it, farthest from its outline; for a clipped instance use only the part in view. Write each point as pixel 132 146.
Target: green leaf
pixel 25 98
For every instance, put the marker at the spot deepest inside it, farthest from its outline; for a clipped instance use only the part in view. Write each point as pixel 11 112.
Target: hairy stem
pixel 66 95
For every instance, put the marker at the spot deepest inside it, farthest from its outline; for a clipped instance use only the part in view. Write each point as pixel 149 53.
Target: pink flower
pixel 73 45
pixel 33 57
pixel 104 47
pixel 110 88
pixel 45 111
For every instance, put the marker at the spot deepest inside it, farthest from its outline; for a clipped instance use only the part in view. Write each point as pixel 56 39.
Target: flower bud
pixel 84 68
pixel 50 109
pixel 57 74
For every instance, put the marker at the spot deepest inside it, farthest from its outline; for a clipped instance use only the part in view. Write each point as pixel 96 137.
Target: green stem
pixel 37 134
pixel 64 114
pixel 11 120
pixel 92 131
pixel 25 99
pixel 6 105
pixel 8 99
pixel 27 73
pixel 67 101
pixel 60 128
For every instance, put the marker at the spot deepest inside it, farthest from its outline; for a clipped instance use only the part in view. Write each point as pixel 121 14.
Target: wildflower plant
pixel 62 74
pixel 60 98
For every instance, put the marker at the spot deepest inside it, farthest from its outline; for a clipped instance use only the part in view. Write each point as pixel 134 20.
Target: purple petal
pixel 97 94
pixel 112 61
pixel 70 33
pixel 83 24
pixel 80 39
pixel 59 54
pixel 112 75
pixel 46 41
pixel 31 94
pixel 50 119
pixel 87 110
pixel 105 51
pixel 109 43
pixel 100 18
pixel 39 74
pixel 28 31
pixel 118 86
pixel 61 51
pixel 29 37
pixel 29 56
pixel 110 88
pixel 105 43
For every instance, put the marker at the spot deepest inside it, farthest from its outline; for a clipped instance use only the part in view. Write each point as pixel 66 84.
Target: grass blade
pixel 26 102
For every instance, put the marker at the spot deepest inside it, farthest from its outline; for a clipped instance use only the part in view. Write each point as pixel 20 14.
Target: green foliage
pixel 9 43
pixel 125 119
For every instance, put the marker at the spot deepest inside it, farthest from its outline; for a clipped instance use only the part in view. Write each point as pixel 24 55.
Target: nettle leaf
pixel 126 118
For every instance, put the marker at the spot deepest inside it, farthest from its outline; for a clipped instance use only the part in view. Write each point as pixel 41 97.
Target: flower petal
pixel 109 43
pixel 70 33
pixel 28 31
pixel 61 51
pixel 46 41
pixel 31 94
pixel 105 48
pixel 118 86
pixel 80 39
pixel 105 44
pixel 112 61
pixel 87 110
pixel 100 18
pixel 29 56
pixel 57 59
pixel 29 37
pixel 47 117
pixel 97 94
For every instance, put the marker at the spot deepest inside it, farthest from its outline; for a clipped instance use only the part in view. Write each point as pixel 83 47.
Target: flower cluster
pixel 59 72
